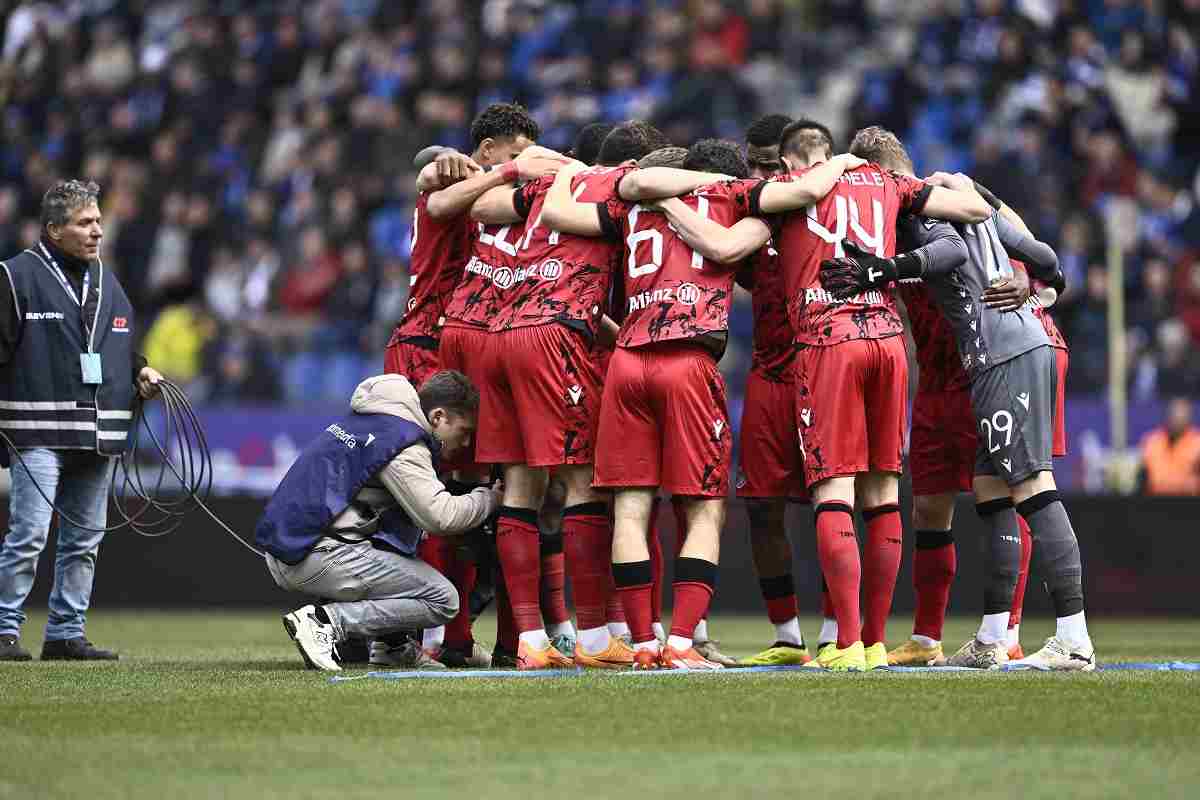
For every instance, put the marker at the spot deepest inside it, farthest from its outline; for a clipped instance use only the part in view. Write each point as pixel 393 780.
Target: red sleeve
pixel 744 194
pixel 523 196
pixel 913 192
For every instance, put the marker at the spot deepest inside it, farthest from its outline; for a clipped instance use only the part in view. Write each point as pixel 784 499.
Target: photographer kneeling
pixel 344 523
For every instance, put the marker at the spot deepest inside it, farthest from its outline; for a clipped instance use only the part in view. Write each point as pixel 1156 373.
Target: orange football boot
pixel 547 658
pixel 617 655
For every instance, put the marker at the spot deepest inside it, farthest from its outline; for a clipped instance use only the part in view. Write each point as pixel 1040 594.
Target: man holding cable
pixel 68 383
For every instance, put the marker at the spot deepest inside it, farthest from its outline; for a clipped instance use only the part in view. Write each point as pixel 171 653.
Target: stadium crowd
pixel 255 157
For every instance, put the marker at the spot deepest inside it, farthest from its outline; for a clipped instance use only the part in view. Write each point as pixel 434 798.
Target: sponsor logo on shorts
pixel 1023 399
pixel 983 359
pixel 718 426
pixel 688 294
pixel 412 303
pixel 1007 464
pixel 370 438
pixel 806 416
pixel 575 393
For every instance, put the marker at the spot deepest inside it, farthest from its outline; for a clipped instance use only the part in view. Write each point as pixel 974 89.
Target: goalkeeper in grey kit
pixel 1011 366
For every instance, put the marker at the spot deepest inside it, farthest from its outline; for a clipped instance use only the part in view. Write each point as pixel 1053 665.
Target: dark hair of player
pixel 588 141
pixel 664 157
pixel 503 121
pixel 882 147
pixel 629 141
pixel 766 130
pixel 717 155
pixel 805 136
pixel 450 390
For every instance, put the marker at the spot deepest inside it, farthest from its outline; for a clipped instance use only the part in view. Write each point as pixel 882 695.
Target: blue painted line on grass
pixel 1140 666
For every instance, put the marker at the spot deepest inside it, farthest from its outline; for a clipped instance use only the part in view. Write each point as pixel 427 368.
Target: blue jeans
pixel 78 480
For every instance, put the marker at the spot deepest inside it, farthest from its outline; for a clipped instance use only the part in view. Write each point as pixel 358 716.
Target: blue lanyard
pixel 66 284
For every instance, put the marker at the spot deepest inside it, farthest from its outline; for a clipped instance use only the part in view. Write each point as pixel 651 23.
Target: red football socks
pixel 935 561
pixel 587 541
pixel 837 548
pixel 634 587
pixel 694 581
pixel 506 628
pixel 1014 618
pixel 881 565
pixel 552 588
pixel 779 593
pixel 520 562
pixel 657 565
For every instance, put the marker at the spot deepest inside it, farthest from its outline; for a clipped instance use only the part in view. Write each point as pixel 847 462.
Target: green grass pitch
pixel 217 705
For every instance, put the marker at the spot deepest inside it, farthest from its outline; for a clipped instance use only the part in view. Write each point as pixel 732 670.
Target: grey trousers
pixel 368 592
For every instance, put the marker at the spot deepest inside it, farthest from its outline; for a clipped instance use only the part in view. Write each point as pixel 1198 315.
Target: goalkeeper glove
pixel 859 270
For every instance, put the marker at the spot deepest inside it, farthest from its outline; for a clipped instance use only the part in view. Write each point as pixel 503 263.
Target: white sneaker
pixel 408 654
pixel 1055 656
pixel 314 639
pixel 977 655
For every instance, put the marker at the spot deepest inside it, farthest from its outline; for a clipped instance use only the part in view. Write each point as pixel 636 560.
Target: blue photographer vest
pixel 43 399
pixel 327 476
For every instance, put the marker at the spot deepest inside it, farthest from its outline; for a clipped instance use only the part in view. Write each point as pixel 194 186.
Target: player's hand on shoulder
pixel 453 166
pixel 850 161
pixel 956 181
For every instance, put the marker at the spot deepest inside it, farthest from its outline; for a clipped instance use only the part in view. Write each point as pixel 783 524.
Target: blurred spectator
pixel 255 155
pixel 1171 454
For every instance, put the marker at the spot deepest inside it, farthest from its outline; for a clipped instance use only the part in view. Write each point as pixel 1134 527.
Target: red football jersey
pixel 491 269
pixel 439 250
pixel 938 360
pixel 863 206
pixel 774 344
pixel 564 278
pixel 672 292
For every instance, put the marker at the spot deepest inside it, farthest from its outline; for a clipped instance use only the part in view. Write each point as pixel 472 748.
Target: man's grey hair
pixel 65 197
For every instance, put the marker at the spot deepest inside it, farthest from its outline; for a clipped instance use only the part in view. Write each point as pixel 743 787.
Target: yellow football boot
pixel 876 655
pixel 617 655
pixel 847 659
pixel 915 654
pixel 778 655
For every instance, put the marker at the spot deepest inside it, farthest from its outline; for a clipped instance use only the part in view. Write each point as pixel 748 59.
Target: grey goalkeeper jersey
pixel 985 337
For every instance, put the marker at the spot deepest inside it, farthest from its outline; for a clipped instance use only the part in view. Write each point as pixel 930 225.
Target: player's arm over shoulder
pixel 716 242
pixel 944 196
pixel 937 245
pixel 563 212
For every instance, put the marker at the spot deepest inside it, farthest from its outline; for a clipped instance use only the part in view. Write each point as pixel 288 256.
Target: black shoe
pixel 11 650
pixel 75 650
pixel 503 659
pixel 353 651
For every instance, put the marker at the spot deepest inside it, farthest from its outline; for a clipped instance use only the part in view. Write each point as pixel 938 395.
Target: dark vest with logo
pixel 43 399
pixel 327 476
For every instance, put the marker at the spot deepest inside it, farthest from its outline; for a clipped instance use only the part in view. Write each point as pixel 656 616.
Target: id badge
pixel 89 363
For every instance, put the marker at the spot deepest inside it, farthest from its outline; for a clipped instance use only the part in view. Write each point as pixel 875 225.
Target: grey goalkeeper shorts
pixel 1014 414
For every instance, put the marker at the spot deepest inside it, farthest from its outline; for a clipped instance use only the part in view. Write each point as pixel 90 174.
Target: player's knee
pixel 878 489
pixel 933 512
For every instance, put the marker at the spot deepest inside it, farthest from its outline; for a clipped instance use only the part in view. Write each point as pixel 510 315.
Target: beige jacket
pixel 410 480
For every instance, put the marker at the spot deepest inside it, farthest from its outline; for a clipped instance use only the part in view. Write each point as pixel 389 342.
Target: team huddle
pixel 587 298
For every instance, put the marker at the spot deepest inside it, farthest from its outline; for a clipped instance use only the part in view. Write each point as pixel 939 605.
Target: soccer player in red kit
pixel 771 472
pixel 542 391
pixel 663 419
pixel 851 368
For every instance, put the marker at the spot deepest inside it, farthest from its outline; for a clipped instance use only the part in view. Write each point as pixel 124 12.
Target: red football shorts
pixel 851 403
pixel 539 399
pixel 1060 404
pixel 941 453
pixel 412 360
pixel 463 348
pixel 663 422
pixel 771 464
